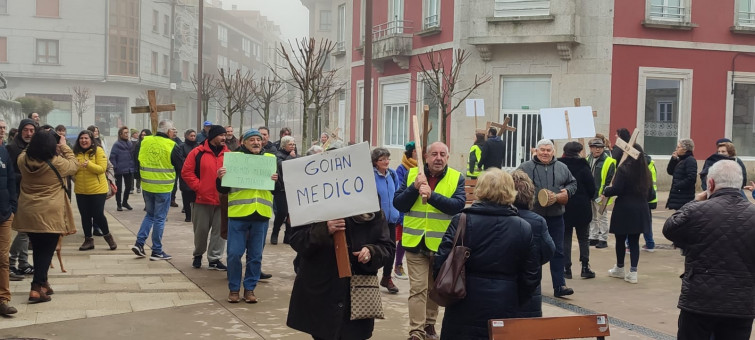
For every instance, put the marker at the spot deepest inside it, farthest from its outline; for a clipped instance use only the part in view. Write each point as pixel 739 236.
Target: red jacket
pixel 204 186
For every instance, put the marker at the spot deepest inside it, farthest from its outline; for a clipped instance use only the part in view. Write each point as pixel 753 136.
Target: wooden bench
pixel 562 327
pixel 469 185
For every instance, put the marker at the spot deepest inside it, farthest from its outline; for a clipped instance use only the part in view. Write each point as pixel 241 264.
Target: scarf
pixel 408 162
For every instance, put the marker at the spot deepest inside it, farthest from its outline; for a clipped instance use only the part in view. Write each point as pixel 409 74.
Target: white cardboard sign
pixel 330 185
pixel 475 107
pixel 581 122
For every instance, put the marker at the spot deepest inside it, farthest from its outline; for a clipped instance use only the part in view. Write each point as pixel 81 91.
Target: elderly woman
pixel 44 212
pixel 525 199
pixel 387 184
pixel 287 151
pixel 320 301
pixel 725 150
pixel 502 269
pixel 91 188
pixel 683 168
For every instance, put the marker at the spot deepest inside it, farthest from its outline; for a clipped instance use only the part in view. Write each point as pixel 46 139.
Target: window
pixel 665 115
pixel 325 20
pixel 743 119
pixel 745 12
pixel 3 50
pixel 431 100
pixel 47 52
pixel 668 10
pixel 166 25
pixel 223 36
pixel 233 65
pixel 166 64
pixel 395 23
pixel 154 63
pixel 3 6
pixel 362 22
pixel 341 34
pixel 247 47
pixel 432 14
pixel 123 42
pixel 155 21
pixel 48 8
pixel 110 113
pixel 257 53
pixel 395 98
pixel 665 110
pixel 222 62
pixel 520 8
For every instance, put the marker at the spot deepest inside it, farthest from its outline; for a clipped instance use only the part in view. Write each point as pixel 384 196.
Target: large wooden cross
pixel 153 109
pixel 629 151
pixel 501 127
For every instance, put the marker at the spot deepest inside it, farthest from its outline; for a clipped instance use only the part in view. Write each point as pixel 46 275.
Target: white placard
pixel 475 107
pixel 330 185
pixel 581 122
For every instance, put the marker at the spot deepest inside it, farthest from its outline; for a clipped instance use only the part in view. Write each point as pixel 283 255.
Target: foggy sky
pixel 290 15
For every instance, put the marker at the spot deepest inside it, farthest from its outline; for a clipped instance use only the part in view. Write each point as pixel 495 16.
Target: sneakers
pixel 5 309
pixel 138 249
pixel 430 332
pixel 233 297
pixel 197 263
pixel 563 291
pixel 249 296
pixel 649 250
pixel 160 256
pixel 138 190
pixel 631 277
pixel 217 265
pixel 265 276
pixel 399 273
pixel 15 277
pixel 601 244
pixel 388 284
pixel 617 272
pixel 26 270
pixel 567 273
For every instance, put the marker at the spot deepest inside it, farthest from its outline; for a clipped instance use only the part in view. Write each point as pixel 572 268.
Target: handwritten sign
pixel 330 185
pixel 581 122
pixel 248 171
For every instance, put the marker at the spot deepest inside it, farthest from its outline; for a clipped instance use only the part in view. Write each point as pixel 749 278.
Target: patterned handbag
pixel 365 298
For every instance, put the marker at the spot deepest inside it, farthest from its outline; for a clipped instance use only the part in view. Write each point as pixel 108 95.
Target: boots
pixel 47 289
pixel 88 244
pixel 110 241
pixel 37 295
pixel 274 235
pixel 586 272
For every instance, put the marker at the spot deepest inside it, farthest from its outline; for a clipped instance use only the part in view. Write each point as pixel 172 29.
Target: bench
pixel 562 327
pixel 469 185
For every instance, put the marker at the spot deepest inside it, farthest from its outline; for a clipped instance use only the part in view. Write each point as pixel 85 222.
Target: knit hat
pixel 215 130
pixel 572 149
pixel 207 123
pixel 723 140
pixel 251 133
pixel 410 146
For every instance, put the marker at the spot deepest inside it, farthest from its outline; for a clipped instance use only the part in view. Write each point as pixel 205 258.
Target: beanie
pixel 251 133
pixel 215 130
pixel 410 146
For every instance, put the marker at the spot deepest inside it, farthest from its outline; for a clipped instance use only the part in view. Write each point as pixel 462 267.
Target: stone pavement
pixel 116 295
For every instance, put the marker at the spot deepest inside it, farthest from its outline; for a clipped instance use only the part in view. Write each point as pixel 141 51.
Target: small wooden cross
pixel 501 127
pixel 418 145
pixel 153 109
pixel 629 151
pixel 427 126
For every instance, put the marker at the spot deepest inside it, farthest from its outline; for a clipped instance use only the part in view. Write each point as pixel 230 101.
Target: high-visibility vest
pixel 610 161
pixel 158 174
pixel 478 153
pixel 651 167
pixel 424 219
pixel 244 202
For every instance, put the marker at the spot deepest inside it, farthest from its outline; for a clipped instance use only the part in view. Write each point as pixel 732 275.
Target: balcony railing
pixel 745 18
pixel 391 28
pixel 669 13
pixel 432 21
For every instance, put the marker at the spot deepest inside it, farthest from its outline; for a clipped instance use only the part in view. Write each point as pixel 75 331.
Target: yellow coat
pixel 91 180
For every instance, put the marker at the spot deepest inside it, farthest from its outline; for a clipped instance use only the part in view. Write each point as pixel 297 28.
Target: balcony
pixel 392 41
pixel 666 16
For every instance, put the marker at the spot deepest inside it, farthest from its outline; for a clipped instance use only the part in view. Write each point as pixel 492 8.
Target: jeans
pixel 121 179
pixel 157 209
pixel 249 237
pixel 92 211
pixel 648 234
pixel 556 230
pixel 44 248
pixel 19 251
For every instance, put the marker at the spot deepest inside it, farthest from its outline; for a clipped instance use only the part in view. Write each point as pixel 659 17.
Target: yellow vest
pixel 607 164
pixel 423 220
pixel 158 174
pixel 478 153
pixel 651 166
pixel 244 202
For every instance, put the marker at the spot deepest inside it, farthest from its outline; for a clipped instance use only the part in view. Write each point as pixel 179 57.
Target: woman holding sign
pixel 287 151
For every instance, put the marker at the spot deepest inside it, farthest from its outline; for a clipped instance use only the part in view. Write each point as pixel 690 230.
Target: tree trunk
pixel 304 127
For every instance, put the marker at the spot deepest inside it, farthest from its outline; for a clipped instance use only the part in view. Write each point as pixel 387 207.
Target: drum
pixel 546 197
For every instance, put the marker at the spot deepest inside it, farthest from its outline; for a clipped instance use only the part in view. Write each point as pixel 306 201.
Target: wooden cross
pixel 332 137
pixel 629 151
pixel 501 127
pixel 427 126
pixel 419 147
pixel 153 109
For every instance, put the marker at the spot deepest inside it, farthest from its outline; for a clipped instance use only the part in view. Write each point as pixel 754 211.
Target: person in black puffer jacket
pixel 187 195
pixel 683 168
pixel 578 214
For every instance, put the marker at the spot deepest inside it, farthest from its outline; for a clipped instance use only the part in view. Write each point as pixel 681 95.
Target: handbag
pixel 112 189
pixel 365 298
pixel 450 284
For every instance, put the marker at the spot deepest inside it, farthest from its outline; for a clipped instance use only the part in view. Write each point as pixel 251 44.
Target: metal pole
pixel 367 128
pixel 200 76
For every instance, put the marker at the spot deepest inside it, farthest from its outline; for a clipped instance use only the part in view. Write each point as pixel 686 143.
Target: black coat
pixel 579 209
pixel 631 213
pixel 14 148
pixel 492 153
pixel 712 160
pixel 282 156
pixel 717 236
pixel 8 196
pixel 684 172
pixel 545 247
pixel 184 150
pixel 320 301
pixel 502 269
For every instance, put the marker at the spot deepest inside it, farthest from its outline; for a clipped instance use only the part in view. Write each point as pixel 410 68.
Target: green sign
pixel 248 171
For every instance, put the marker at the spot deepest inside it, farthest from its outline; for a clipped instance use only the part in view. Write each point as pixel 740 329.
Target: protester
pixel 631 214
pixel 578 212
pixel 716 233
pixel 603 167
pixel 97 138
pixel 408 161
pixel 501 271
pixel 12 133
pixel 683 168
pixel 424 225
pixel 623 134
pixel 157 172
pixel 200 170
pixel 91 189
pixel 475 154
pixel 7 209
pixel 137 174
pixel 123 166
pixel 134 136
pixel 323 139
pixel 3 130
pixel 725 150
pixel 202 136
pixel 173 135
pixel 320 302
pixel 266 143
pixel 188 196
pixel 286 151
pixel 548 173
pixel 249 212
pixel 37 216
pixel 19 249
pixel 387 184
pixel 543 243
pixel 647 234
pixel 493 151
pixel 283 132
pixel 231 142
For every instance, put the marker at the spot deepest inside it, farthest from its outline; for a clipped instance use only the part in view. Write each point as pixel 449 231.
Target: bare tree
pixel 80 96
pixel 443 81
pixel 237 92
pixel 269 91
pixel 209 91
pixel 305 64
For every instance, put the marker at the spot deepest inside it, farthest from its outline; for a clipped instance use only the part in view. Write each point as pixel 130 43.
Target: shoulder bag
pixel 365 298
pixel 450 284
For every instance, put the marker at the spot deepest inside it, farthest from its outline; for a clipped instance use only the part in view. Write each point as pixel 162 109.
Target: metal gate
pixel 518 143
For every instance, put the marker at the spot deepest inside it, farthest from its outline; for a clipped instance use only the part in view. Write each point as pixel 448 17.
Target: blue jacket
pixel 386 188
pixel 401 172
pixel 8 197
pixel 122 158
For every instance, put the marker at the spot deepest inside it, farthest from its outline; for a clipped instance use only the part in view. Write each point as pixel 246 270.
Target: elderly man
pixel 19 250
pixel 424 226
pixel 717 233
pixel 548 173
pixel 603 167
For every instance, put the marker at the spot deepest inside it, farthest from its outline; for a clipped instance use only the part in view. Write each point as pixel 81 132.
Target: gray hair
pixel 286 140
pixel 378 153
pixel 544 142
pixel 687 144
pixel 726 174
pixel 164 126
